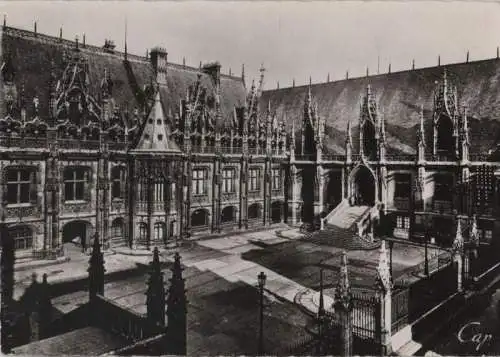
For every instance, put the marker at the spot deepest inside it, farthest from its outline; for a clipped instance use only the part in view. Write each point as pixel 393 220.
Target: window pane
pixel 68 191
pixel 79 186
pixel 68 174
pixel 116 189
pixel 24 195
pixel 12 193
pixel 12 175
pixel 79 174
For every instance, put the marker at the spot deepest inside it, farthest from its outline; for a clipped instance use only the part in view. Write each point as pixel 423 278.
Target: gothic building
pixel 139 151
pixel 134 150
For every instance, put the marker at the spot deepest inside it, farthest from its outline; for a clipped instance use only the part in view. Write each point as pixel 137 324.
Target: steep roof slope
pixel 34 55
pixel 399 96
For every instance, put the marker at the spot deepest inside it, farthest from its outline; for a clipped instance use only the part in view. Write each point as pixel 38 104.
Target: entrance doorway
pixel 77 232
pixel 276 211
pixel 363 187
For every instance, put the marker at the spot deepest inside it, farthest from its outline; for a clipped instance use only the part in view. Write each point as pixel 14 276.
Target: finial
pixel 378 64
pixel 83 42
pixel 200 64
pixel 35 27
pixel 230 71
pixel 184 61
pixel 310 81
pixel 389 71
pixel 76 41
pixel 498 52
pixel 125 39
pixel 458 242
pixel 439 60
pixel 383 269
pixel 278 85
pixel 293 83
pixel 413 64
pixel 243 72
pixel 467 59
pixel 60 33
pixel 343 289
pixel 422 119
pixel 474 234
pixel 328 78
pixel 367 71
pixel 147 53
pixel 347 74
pixel 4 20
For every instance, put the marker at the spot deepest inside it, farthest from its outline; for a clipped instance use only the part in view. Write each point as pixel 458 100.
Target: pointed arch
pixel 445 143
pixel 369 140
pixel 363 186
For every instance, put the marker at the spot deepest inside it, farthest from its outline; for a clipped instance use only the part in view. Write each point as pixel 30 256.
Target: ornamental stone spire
pixel 343 289
pixel 383 269
pixel 474 234
pixel 155 301
pixel 96 270
pixel 458 242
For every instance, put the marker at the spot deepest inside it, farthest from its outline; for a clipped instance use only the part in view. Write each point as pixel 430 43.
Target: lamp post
pixel 262 281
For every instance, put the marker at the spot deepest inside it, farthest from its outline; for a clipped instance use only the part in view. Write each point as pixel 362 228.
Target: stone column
pixel 321 199
pixel 343 309
pixel 293 183
pixel 458 253
pixel 384 293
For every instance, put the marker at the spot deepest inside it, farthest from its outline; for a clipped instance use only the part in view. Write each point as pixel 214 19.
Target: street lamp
pixel 262 281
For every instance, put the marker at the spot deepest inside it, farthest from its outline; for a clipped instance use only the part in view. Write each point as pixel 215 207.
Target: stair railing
pixel 365 222
pixel 339 208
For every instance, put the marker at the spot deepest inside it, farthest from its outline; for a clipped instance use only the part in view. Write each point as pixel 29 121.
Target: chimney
pixel 158 58
pixel 109 46
pixel 213 70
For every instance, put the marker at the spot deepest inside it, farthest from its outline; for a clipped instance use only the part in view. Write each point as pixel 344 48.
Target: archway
pixel 254 211
pixel 363 187
pixel 199 218
pixel 118 229
pixel 228 214
pixel 276 211
pixel 334 190
pixel 78 232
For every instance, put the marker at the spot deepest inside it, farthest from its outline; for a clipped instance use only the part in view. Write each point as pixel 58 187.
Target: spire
pixel 458 242
pixel 439 60
pixel 177 310
pixel 83 40
pixel 292 135
pixel 413 64
pixel 125 40
pixel 467 59
pixel 34 28
pixel 347 74
pixel 382 128
pixel 389 71
pixel 60 33
pixel 383 269
pixel 293 83
pixel 278 85
pixel 328 78
pixel 262 70
pixel 155 301
pixel 498 52
pixel 76 42
pixel 421 130
pixel 367 71
pixel 474 233
pixel 230 71
pixel 349 137
pixel 343 289
pixel 183 61
pixel 4 20
pixel 96 270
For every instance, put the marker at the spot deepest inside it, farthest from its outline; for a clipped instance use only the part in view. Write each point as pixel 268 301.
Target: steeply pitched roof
pixel 155 132
pixel 33 55
pixel 399 96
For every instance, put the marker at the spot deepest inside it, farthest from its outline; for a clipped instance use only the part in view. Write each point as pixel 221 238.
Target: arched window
pixel 254 211
pixel 199 218
pixel 118 182
pixel 143 231
pixel 369 142
pixel 228 214
pixel 445 142
pixel 159 231
pixel 117 227
pixel 22 237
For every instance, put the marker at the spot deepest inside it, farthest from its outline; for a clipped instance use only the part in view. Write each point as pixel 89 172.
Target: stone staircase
pixel 341 229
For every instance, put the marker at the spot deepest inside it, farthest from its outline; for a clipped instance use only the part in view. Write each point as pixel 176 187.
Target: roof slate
pixel 32 56
pixel 399 96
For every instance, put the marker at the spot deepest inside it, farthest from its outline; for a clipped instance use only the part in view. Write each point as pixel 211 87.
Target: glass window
pixel 402 187
pixel 199 182
pixel 443 185
pixel 228 180
pixel 254 179
pixel 22 237
pixel 118 183
pixel 276 178
pixel 143 231
pixel 403 222
pixel 75 183
pixel 21 186
pixel 159 230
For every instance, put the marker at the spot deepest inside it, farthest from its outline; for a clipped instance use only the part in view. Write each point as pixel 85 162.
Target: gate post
pixel 343 309
pixel 458 253
pixel 384 294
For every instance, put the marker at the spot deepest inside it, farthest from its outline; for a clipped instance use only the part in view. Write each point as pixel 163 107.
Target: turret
pixel 158 57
